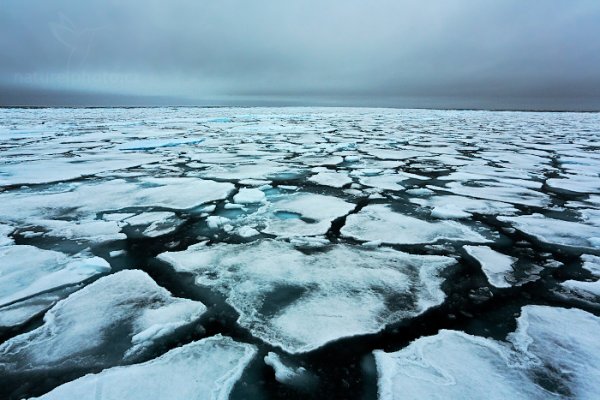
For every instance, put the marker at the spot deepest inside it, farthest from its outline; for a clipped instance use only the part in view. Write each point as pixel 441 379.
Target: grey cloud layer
pixel 458 53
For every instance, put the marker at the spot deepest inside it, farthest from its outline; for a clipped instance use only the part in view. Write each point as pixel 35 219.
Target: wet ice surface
pixel 453 245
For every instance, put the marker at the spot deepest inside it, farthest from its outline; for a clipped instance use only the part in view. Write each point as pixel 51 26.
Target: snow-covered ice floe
pixel 300 301
pixel 554 353
pixel 459 207
pixel 380 222
pixel 206 369
pixel 113 319
pixel 554 231
pixel 305 214
pixel 333 179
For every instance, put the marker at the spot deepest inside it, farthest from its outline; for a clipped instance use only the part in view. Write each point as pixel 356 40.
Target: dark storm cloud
pixel 432 53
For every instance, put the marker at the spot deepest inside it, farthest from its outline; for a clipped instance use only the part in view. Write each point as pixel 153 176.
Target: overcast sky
pixel 502 54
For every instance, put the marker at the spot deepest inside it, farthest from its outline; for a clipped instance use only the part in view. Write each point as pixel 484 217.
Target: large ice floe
pixel 203 370
pixel 300 301
pixel 127 310
pixel 554 353
pixel 379 222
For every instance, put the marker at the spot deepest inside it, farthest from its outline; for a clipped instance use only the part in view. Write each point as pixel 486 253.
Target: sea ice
pixel 502 192
pixel 557 232
pixel 94 231
pixel 456 207
pixel 497 267
pixel 22 311
pixel 333 179
pixel 304 214
pixel 153 224
pixel 300 301
pixel 63 169
pixel 586 290
pixel 591 263
pixel 544 358
pixel 249 196
pixel 26 271
pixel 111 320
pixel 383 182
pixel 206 369
pixel 576 183
pixel 87 199
pixel 149 144
pixel 5 232
pixel 379 222
pixel 286 374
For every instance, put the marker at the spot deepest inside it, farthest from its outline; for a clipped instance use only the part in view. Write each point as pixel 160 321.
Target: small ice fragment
pixel 496 266
pixel 247 232
pixel 249 196
pixel 117 253
pixel 215 221
pixel 285 374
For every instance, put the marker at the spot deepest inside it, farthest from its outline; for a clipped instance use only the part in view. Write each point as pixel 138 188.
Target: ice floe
pixel 26 271
pixel 249 196
pixel 591 263
pixel 54 170
pixel 149 144
pixel 586 290
pixel 380 222
pixel 153 224
pixel 497 267
pixel 490 190
pixel 5 232
pixel 333 179
pixel 18 313
pixel 286 374
pixel 557 232
pixel 300 301
pixel 546 357
pixel 126 311
pixel 460 207
pixel 206 369
pixel 304 214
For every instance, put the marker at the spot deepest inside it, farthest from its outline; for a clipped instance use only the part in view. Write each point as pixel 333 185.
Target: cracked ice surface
pixel 295 217
pixel 300 302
